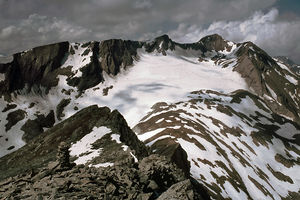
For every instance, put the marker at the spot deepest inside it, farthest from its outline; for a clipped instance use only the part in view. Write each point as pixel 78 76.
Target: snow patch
pixel 108 164
pixel 83 148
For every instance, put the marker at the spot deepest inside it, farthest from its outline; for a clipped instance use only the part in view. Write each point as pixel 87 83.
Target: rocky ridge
pixel 44 168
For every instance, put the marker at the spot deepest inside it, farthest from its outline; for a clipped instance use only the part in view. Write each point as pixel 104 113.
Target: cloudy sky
pixel 272 24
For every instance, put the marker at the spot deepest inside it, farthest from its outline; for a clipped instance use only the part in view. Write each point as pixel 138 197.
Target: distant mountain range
pixel 207 120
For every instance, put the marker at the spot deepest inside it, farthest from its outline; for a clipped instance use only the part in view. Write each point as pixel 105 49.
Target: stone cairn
pixel 63 156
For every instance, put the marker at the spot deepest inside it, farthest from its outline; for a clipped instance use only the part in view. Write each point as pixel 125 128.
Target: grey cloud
pixel 31 23
pixel 37 30
pixel 143 4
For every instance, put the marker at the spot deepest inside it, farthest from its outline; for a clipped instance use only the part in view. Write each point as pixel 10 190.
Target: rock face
pixel 33 128
pixel 34 67
pixel 117 54
pixel 40 66
pixel 172 150
pixel 91 72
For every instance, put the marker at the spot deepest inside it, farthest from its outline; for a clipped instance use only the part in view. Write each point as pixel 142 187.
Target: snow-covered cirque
pixel 156 78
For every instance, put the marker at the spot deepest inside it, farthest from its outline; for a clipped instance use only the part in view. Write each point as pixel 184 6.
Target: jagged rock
pixel 9 107
pixel 290 63
pixel 161 44
pixel 261 72
pixel 152 185
pixel 159 170
pixel 146 196
pixel 110 188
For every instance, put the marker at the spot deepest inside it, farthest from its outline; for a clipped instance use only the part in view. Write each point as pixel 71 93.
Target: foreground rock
pixel 153 178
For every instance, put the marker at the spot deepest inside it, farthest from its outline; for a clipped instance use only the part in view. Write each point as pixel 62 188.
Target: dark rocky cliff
pixel 34 67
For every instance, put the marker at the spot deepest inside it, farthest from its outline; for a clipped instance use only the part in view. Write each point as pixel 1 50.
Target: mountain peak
pixel 161 44
pixel 163 37
pixel 214 42
pixel 212 37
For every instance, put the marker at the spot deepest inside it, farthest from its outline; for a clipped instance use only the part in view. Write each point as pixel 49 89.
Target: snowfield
pixel 156 78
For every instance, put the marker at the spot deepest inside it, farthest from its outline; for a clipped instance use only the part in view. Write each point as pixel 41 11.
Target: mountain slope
pixel 245 108
pixel 235 144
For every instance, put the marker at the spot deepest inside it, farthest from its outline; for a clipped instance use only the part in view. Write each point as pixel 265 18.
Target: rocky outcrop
pixel 42 149
pixel 173 151
pixel 34 67
pixel 14 117
pixel 60 108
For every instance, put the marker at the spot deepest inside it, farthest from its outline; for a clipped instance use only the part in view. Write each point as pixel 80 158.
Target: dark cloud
pixel 28 23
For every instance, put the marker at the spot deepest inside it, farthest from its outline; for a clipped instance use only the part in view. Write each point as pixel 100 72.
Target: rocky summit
pixel 157 119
